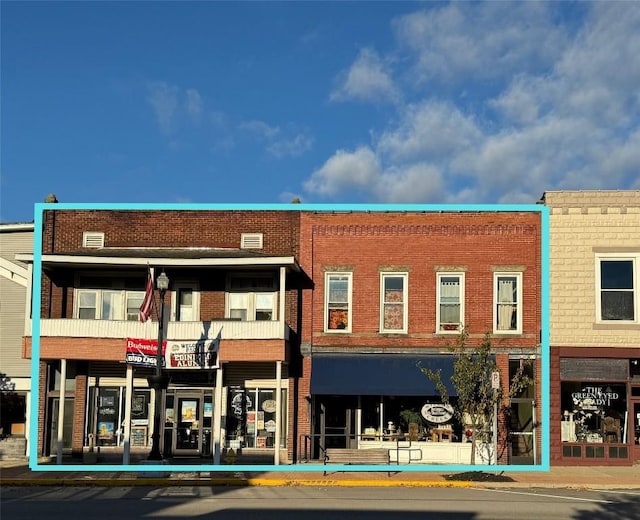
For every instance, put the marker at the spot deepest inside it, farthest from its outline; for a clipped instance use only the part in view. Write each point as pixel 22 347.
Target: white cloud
pixel 260 129
pixel 279 143
pixel 343 171
pixel 368 79
pixel 194 103
pixel 547 105
pixel 290 147
pixel 164 100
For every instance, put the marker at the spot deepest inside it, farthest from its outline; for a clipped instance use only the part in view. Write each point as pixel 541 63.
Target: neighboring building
pixel 391 289
pixel 15 372
pixel 234 285
pixel 595 327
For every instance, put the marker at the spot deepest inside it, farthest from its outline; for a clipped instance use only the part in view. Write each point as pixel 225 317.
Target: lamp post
pixel 158 381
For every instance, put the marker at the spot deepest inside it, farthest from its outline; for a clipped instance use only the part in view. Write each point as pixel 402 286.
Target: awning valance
pixel 378 374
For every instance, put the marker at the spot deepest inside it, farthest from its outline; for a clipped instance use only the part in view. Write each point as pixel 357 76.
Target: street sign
pixel 495 380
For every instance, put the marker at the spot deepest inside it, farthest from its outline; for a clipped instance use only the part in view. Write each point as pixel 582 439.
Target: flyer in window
pixel 188 411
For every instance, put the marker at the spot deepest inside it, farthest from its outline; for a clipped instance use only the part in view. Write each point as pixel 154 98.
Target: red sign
pixel 143 352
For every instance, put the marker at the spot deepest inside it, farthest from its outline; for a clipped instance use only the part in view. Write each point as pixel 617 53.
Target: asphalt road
pixel 307 503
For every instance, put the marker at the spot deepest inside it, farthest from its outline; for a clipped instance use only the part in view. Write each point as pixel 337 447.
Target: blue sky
pixel 332 102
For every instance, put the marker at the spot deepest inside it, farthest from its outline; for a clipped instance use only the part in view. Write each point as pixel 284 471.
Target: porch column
pixel 217 417
pixel 61 400
pixel 281 302
pixel 276 441
pixel 127 416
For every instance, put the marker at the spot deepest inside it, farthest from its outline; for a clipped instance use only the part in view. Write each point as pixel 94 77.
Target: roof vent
pixel 93 239
pixel 251 241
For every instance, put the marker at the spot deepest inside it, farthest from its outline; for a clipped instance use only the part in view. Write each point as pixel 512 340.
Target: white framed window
pixel 617 287
pixel 186 301
pixel 507 306
pixel 450 302
pixel 107 304
pixel 338 302
pixel 393 302
pixel 252 298
pixel 108 297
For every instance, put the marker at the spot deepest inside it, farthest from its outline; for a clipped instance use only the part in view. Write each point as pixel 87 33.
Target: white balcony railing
pixel 190 330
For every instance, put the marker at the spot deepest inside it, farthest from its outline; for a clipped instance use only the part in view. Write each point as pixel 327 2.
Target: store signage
pixel 181 355
pixel 437 413
pixel 593 396
pixel 143 352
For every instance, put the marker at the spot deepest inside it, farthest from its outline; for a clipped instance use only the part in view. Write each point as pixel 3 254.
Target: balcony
pixel 230 329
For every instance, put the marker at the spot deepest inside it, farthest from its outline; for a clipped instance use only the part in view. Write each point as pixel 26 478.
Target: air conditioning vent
pixel 93 239
pixel 251 241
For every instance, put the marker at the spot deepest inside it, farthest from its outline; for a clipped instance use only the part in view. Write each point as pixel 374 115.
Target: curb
pixel 257 482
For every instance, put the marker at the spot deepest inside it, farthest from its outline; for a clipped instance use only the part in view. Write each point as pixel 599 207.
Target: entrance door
pixel 635 430
pixel 337 421
pixel 522 433
pixel 188 433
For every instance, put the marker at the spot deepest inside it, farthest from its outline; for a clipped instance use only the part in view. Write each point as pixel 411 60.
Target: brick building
pixel 595 327
pixel 391 289
pixel 231 331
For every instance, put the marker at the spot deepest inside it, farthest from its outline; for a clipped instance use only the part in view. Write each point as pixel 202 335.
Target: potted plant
pixel 413 420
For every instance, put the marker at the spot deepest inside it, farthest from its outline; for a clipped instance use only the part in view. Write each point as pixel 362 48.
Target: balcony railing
pixel 176 330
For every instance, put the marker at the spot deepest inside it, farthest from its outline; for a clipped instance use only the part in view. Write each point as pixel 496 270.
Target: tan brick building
pixel 595 326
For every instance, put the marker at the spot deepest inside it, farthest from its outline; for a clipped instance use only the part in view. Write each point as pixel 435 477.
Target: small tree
pixel 471 378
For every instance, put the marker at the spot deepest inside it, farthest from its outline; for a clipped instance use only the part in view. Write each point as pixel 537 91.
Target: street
pixel 292 503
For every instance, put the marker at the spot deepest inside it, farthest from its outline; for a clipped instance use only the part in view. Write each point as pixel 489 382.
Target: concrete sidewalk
pixel 17 473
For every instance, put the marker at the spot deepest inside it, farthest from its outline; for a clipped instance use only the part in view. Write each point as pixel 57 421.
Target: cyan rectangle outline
pixel 426 208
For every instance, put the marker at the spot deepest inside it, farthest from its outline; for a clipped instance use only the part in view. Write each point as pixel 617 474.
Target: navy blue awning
pixel 376 374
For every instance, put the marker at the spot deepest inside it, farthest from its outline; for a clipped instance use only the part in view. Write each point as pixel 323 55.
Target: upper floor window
pixel 393 302
pixel 507 303
pixel 618 287
pixel 450 308
pixel 337 302
pixel 104 298
pixel 252 298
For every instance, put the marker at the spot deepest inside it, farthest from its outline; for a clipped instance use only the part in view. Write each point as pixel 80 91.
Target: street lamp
pixel 159 381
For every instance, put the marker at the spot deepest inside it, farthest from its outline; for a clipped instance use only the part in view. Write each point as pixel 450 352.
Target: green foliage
pixel 411 416
pixel 476 399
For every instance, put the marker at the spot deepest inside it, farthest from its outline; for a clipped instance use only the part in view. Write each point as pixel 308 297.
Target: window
pixel 617 284
pixel 394 302
pixel 508 303
pixel 252 298
pixel 450 308
pixel 103 298
pixel 186 301
pixel 338 302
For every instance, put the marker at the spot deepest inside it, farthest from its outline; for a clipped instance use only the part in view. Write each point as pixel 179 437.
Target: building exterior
pixel 595 327
pixel 287 332
pixel 15 384
pixel 393 289
pixel 232 321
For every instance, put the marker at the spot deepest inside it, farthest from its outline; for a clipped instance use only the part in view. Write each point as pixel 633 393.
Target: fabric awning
pixel 378 374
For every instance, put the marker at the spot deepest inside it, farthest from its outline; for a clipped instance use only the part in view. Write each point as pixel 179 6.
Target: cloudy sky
pixel 333 102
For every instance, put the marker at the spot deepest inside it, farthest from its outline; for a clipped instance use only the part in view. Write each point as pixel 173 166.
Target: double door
pixel 190 421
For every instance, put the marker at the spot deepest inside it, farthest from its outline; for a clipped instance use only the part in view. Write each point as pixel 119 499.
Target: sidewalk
pixel 17 473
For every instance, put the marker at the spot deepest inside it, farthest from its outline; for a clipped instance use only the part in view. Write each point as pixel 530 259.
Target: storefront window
pixel 594 412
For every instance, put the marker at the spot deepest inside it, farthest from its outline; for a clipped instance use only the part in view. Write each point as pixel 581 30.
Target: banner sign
pixel 181 355
pixel 143 352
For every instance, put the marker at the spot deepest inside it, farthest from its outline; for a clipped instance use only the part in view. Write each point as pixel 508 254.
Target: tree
pixel 477 399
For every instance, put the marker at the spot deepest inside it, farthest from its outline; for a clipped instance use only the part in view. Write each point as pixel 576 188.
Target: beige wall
pixel 583 224
pixel 13 240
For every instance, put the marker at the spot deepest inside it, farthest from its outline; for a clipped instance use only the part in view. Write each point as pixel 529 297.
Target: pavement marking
pixel 544 495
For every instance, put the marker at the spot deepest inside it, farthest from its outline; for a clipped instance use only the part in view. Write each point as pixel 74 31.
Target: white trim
pixel 461 277
pixel 14 272
pixel 195 262
pixel 349 277
pixel 195 298
pixel 634 258
pixel 405 301
pixel 15 227
pixel 518 302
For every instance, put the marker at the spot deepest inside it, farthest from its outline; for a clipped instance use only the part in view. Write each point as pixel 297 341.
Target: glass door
pixel 188 436
pixel 67 427
pixel 522 433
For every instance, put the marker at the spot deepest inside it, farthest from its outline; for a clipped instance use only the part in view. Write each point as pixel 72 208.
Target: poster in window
pixel 188 411
pixel 260 421
pixel 208 409
pixel 106 431
pixel 140 408
pixel 261 442
pixel 139 436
